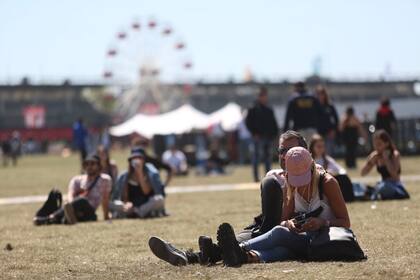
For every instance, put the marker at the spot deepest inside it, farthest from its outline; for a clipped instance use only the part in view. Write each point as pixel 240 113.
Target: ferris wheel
pixel 147 68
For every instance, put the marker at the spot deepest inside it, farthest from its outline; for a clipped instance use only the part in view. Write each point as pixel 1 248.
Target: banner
pixel 34 116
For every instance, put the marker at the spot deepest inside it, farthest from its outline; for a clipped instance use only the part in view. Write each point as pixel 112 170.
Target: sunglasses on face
pixel 282 151
pixel 89 163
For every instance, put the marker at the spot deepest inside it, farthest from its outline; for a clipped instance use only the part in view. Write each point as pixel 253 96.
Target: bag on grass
pixel 335 244
pixel 346 187
pixel 53 203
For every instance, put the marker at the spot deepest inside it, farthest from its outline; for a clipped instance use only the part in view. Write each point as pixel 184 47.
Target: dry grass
pixel 118 250
pixel 36 175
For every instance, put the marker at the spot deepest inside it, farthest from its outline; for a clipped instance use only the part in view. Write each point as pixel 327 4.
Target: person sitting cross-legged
pixel 86 192
pixel 386 159
pixel 138 193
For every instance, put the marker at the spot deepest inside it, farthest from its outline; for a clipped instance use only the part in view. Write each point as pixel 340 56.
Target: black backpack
pixel 53 203
pixel 346 187
pixel 334 243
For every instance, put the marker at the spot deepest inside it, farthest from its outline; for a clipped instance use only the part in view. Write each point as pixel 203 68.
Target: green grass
pixel 389 234
pixel 36 175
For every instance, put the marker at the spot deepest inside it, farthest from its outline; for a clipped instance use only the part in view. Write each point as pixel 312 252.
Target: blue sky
pixel 53 40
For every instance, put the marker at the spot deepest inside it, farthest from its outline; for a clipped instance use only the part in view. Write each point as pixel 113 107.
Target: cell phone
pixel 304 217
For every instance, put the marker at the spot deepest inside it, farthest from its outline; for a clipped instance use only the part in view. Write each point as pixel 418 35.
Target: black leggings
pixel 82 208
pixel 271 203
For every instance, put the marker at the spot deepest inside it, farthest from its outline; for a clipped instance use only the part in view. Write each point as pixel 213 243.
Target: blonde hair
pixel 290 191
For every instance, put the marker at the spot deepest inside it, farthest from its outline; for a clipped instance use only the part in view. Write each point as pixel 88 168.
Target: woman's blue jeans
pixel 279 244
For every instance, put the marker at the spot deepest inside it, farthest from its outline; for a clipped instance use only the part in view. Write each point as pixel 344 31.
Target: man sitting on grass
pixel 86 193
pixel 139 192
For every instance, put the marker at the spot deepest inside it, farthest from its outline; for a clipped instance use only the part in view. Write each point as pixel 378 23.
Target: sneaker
pixel 70 214
pixel 167 252
pixel 232 254
pixel 209 252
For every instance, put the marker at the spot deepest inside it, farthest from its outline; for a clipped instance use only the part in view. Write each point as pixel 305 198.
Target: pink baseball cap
pixel 298 166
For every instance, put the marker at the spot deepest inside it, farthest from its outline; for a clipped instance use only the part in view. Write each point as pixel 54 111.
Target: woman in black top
pixel 351 128
pixel 386 158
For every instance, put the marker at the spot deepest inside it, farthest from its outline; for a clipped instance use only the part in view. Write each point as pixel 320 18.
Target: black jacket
pixel 260 121
pixel 329 119
pixel 304 110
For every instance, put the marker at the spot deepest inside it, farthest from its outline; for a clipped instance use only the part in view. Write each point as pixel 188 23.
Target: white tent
pixel 228 117
pixel 181 120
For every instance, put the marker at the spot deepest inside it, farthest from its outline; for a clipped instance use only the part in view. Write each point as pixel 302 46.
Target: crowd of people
pixel 137 192
pixel 303 203
pixel 309 114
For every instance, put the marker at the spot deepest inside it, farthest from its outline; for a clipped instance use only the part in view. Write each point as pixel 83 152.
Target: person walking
pixel 328 125
pixel 351 129
pixel 303 112
pixel 262 124
pixel 80 135
pixel 385 118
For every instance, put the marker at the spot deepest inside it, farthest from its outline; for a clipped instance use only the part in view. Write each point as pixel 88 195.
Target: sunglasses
pixel 282 151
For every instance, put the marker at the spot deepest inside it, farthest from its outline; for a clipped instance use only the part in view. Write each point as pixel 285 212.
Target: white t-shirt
pixel 333 167
pixel 80 183
pixel 176 159
pixel 279 175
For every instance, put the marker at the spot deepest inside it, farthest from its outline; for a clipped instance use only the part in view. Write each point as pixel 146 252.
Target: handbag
pixel 335 244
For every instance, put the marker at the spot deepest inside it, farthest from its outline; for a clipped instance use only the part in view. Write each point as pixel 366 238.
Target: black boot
pixel 167 252
pixel 209 252
pixel 233 255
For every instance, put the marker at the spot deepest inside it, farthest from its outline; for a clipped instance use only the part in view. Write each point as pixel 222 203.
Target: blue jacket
pixel 79 135
pixel 153 176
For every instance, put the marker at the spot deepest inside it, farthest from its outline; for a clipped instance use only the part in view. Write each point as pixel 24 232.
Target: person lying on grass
pixel 272 192
pixel 386 158
pixel 139 192
pixel 86 192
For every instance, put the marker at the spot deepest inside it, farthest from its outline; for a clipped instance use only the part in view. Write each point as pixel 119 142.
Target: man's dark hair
pixel 299 87
pixel 291 134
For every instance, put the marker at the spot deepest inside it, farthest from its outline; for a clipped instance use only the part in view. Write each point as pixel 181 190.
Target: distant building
pixel 46 112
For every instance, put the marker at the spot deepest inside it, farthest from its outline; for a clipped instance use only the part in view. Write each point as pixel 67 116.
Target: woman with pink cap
pixel 290 239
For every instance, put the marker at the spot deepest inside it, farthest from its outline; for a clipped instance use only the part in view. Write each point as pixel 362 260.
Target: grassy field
pixel 36 175
pixel 388 232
